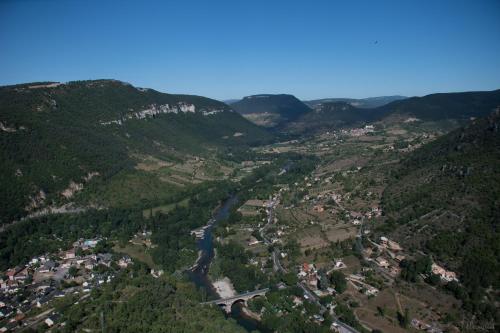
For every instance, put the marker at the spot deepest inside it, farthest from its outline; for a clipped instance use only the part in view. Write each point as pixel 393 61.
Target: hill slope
pixel 270 110
pixel 445 200
pixel 330 115
pixel 55 137
pixel 460 106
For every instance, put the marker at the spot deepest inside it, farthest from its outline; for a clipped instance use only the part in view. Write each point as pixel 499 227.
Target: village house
pixel 22 275
pixel 91 243
pixel 157 274
pixel 419 325
pixel 394 246
pixel 253 241
pixel 443 273
pixel 11 273
pixel 318 208
pixel 318 319
pixel 391 245
pixel 43 300
pixel 70 254
pixel 371 291
pixel 6 311
pixel 356 215
pixel 47 267
pixel 376 211
pixel 52 320
pixel 399 257
pixel 306 271
pixel 104 259
pixel 312 281
pixel 382 262
pixel 339 264
pixel 297 301
pixel 86 244
pixel 124 261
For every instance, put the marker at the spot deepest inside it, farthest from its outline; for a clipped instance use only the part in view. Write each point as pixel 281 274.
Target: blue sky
pixel 229 49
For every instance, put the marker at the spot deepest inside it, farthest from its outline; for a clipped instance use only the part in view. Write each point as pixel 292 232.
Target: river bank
pixel 224 288
pixel 250 314
pixel 219 288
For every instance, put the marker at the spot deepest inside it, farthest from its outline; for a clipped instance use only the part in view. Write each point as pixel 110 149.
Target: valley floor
pixel 310 226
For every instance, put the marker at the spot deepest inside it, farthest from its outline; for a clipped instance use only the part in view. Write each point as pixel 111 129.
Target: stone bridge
pixel 227 303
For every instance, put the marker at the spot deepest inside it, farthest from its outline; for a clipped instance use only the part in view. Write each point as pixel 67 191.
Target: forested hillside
pixel 56 137
pixel 444 199
pixel 271 110
pixel 462 105
pixel 332 115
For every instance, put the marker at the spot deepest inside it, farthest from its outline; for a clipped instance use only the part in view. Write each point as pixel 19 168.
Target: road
pixel 343 328
pixel 270 220
pixel 32 322
pixel 243 295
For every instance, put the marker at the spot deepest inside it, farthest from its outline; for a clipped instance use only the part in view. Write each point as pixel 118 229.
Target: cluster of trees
pixel 233 261
pixel 136 302
pixel 280 314
pixel 336 279
pixel 176 247
pixel 263 179
pixel 411 269
pixel 346 314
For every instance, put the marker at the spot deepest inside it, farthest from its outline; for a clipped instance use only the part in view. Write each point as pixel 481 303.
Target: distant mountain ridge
pixel 365 103
pixel 270 110
pixel 435 107
pixel 458 105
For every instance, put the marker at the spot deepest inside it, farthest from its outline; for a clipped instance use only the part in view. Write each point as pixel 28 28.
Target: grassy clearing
pixel 128 188
pixel 137 252
pixel 164 208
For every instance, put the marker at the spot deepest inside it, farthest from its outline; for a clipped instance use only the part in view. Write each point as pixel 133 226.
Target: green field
pixel 136 252
pixel 164 208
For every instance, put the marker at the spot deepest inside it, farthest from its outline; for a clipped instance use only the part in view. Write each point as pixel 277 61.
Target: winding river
pixel 198 274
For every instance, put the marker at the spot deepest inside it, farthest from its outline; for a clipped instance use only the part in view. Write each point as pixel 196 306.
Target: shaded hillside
pixel 436 107
pixel 461 106
pixel 270 110
pixel 444 199
pixel 331 115
pixel 365 103
pixel 56 136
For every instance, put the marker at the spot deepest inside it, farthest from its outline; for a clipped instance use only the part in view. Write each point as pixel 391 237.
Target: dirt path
pixel 396 297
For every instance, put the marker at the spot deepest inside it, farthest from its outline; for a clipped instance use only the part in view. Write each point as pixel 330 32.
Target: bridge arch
pixel 223 306
pixel 256 296
pixel 227 303
pixel 240 300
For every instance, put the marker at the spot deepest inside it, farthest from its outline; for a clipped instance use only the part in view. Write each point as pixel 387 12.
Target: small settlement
pixel 26 292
